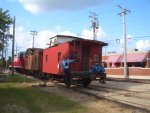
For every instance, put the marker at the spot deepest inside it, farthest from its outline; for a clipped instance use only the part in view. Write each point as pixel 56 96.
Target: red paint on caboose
pixel 33 59
pixel 52 57
pixel 85 53
pixel 37 60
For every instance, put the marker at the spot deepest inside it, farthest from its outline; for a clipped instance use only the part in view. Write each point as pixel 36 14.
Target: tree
pixel 8 62
pixel 5 22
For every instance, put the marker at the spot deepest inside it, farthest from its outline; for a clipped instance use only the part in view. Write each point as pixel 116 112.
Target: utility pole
pixel 13 41
pixel 16 49
pixel 5 55
pixel 94 24
pixel 33 33
pixel 123 13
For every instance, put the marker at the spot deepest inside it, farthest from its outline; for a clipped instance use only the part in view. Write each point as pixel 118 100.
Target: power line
pixel 140 37
pixel 117 40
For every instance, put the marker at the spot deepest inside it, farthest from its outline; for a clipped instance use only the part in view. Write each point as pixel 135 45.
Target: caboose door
pixel 85 57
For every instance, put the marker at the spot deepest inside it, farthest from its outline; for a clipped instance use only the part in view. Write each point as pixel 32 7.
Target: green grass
pixel 17 78
pixel 16 97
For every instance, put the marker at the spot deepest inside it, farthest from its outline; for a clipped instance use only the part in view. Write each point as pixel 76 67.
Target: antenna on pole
pixel 123 13
pixel 94 24
pixel 33 33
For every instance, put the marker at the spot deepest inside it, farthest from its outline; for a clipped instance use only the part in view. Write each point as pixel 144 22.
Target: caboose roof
pixel 58 39
pixel 93 41
pixel 33 50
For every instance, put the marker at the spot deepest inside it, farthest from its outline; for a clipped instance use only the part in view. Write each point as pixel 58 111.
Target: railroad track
pixel 125 92
pixel 137 99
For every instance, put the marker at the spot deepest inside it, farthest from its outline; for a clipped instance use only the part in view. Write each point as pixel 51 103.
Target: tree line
pixel 5 22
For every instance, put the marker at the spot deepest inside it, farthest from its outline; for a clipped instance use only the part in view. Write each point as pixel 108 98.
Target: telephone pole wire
pixel 94 24
pixel 123 13
pixel 33 33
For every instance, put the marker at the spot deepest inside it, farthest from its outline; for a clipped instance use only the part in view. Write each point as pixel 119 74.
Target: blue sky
pixel 71 17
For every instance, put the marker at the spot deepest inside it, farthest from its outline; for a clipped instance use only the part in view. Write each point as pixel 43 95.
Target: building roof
pixel 94 41
pixel 113 59
pixel 140 57
pixel 131 57
pixel 58 39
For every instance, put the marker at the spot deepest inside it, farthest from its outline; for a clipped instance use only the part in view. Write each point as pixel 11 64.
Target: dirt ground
pixel 94 105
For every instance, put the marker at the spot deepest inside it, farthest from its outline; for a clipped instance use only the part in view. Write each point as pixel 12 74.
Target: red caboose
pixel 33 61
pixel 85 52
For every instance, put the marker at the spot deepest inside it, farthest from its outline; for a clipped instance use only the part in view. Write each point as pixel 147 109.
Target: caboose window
pixel 96 58
pixel 59 56
pixel 74 55
pixel 46 58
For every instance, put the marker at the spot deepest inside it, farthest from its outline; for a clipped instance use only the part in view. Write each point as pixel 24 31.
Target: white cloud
pixel 38 6
pixel 143 44
pixel 43 37
pixel 22 38
pixel 88 34
pixel 128 39
pixel 68 33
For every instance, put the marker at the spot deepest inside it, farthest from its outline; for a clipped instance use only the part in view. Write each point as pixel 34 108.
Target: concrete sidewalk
pixel 147 81
pixel 130 77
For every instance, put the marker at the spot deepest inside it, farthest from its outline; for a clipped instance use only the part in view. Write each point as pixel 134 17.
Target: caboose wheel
pixel 86 81
pixel 68 85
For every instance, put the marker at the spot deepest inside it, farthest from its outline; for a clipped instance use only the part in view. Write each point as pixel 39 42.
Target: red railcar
pixel 33 60
pixel 18 62
pixel 85 52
